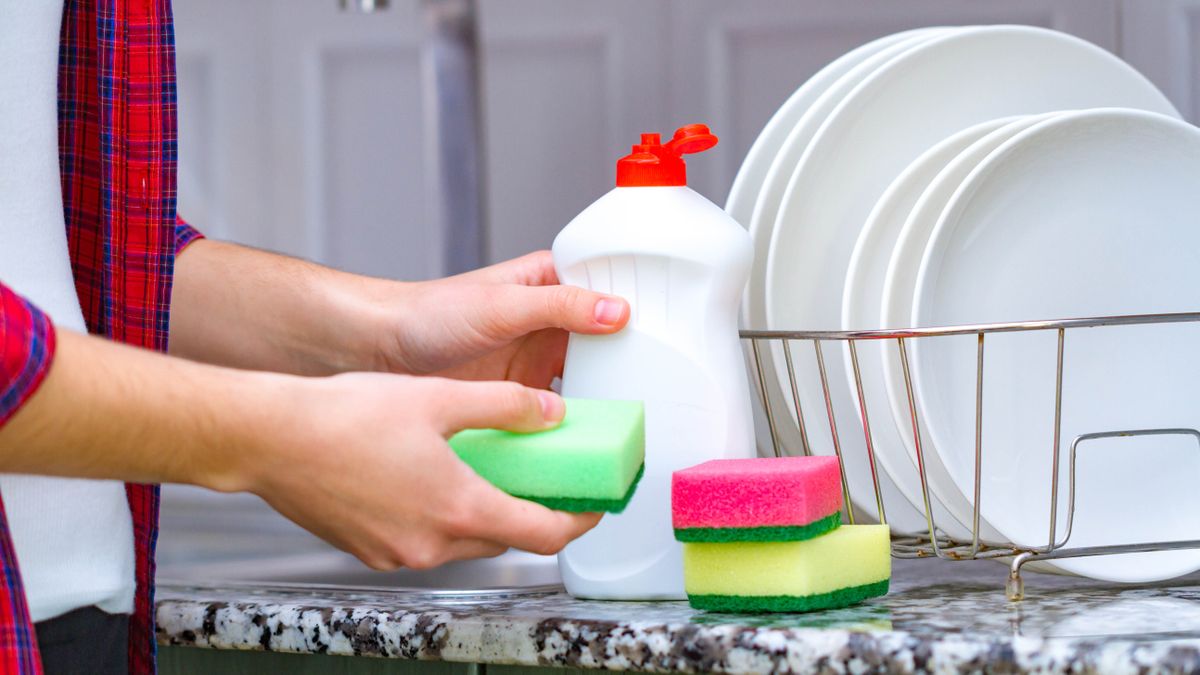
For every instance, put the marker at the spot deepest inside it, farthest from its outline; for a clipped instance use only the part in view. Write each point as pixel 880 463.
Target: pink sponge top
pixel 781 491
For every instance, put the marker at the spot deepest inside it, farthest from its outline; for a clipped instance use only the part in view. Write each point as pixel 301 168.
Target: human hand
pixel 369 469
pixel 505 322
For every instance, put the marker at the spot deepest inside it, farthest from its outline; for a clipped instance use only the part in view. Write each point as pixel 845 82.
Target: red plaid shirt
pixel 117 153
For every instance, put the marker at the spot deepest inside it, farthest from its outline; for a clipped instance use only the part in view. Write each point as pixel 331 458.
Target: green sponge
pixel 591 462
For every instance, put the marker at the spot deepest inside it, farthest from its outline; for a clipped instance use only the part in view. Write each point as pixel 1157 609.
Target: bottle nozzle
pixel 653 163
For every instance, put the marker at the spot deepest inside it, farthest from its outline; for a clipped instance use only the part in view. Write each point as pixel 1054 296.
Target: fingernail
pixel 553 407
pixel 609 311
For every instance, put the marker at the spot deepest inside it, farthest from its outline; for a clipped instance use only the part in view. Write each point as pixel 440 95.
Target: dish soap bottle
pixel 682 264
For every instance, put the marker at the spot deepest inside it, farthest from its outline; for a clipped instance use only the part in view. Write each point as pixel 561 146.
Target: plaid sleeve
pixel 26 347
pixel 184 234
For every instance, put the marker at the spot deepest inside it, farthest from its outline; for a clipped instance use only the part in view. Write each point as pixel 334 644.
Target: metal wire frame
pixel 935 542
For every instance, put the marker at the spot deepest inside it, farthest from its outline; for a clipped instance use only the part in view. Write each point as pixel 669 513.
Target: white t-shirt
pixel 73 538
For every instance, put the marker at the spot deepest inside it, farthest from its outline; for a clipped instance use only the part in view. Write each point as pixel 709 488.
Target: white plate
pixel 759 188
pixel 1086 214
pixel 893 309
pixel 941 86
pixel 861 301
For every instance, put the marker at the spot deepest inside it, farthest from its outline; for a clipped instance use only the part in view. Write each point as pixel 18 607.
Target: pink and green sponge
pixel 779 499
pixel 592 462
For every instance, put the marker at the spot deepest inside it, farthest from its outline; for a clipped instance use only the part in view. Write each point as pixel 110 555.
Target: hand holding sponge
pixel 765 535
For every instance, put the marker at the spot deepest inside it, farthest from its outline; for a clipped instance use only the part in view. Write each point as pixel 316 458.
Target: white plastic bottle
pixel 682 264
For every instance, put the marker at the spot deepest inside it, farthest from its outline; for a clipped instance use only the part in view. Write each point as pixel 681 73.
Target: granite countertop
pixel 939 616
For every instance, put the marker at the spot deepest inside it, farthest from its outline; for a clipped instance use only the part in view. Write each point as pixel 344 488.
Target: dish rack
pixel 935 542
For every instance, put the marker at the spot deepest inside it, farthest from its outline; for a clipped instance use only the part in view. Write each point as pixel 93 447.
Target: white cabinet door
pixel 223 156
pixel 302 130
pixel 734 63
pixel 568 87
pixel 347 129
pixel 1161 38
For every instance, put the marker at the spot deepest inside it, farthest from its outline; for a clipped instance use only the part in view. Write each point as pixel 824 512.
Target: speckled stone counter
pixel 939 617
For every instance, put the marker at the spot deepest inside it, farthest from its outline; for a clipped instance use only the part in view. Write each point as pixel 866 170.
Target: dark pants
pixel 87 640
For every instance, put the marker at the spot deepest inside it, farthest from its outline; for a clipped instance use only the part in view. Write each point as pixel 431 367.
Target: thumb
pixel 494 405
pixel 571 308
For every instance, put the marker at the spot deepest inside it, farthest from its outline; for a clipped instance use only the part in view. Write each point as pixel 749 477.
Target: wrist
pixel 260 419
pixel 367 313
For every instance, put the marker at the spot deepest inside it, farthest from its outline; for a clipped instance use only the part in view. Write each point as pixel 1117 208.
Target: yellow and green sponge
pixel 845 566
pixel 765 535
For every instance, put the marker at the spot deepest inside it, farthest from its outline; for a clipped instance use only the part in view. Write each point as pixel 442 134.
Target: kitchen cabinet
pixel 571 85
pixel 302 126
pixel 301 131
pixel 189 661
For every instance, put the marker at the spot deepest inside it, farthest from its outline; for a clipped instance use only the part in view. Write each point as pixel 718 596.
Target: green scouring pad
pixel 591 462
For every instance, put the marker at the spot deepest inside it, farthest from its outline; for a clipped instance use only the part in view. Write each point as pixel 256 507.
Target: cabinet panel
pixel 371 180
pixel 222 154
pixel 173 660
pixel 345 125
pixel 568 86
pixel 301 130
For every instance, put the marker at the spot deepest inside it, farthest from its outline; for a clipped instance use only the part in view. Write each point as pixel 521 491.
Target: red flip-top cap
pixel 653 163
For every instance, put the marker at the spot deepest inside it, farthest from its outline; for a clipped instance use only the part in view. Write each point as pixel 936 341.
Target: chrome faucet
pixel 364 6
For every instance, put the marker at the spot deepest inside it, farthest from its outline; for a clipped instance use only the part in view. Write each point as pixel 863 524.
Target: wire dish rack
pixel 934 542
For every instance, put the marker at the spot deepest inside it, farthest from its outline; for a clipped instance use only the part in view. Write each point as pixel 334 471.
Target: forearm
pixel 109 411
pixel 244 308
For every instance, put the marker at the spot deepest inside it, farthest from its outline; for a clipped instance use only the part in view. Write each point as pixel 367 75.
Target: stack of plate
pixel 947 176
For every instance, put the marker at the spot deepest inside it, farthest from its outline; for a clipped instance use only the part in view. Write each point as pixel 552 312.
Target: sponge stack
pixel 765 535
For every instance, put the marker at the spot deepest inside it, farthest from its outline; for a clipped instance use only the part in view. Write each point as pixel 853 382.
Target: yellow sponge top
pixel 850 556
